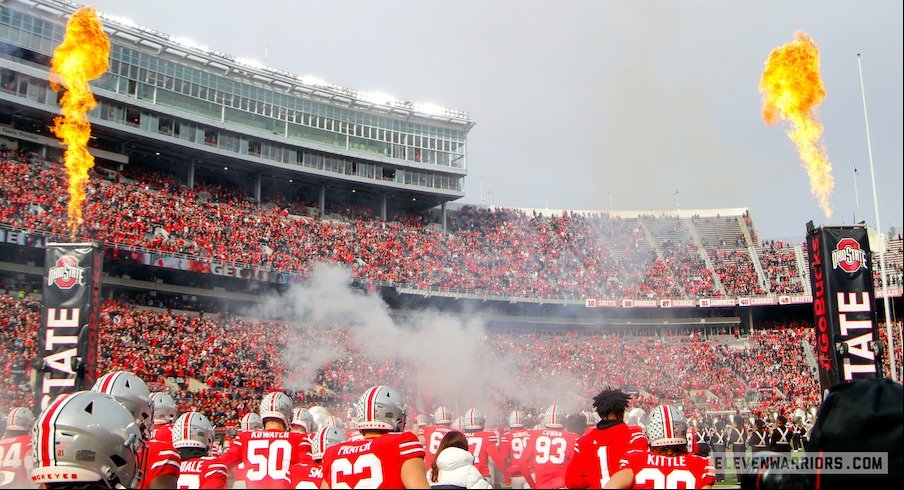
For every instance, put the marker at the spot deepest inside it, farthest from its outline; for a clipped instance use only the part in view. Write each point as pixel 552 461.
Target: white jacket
pixel 456 467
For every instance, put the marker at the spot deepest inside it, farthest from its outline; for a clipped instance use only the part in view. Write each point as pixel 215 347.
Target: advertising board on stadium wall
pixel 67 334
pixel 638 303
pixel 716 302
pixel 844 315
pixel 757 301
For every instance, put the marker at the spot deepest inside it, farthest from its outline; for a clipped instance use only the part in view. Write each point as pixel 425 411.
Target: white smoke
pixel 451 361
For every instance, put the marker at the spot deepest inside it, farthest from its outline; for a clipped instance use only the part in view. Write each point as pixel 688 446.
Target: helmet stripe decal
pixel 555 408
pixel 186 423
pixel 370 408
pixel 667 422
pixel 108 383
pixel 47 431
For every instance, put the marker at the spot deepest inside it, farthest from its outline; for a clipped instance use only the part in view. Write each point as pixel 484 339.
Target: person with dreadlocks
pixel 598 453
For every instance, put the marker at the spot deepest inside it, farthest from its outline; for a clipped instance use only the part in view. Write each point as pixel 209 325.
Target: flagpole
pixel 856 197
pixel 872 172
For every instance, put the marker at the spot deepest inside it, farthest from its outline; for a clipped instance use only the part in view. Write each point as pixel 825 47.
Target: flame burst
pixel 792 88
pixel 83 56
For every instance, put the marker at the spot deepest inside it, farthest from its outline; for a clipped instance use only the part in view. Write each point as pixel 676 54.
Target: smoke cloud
pixel 448 359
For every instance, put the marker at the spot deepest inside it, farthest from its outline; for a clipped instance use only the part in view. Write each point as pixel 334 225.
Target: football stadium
pixel 219 274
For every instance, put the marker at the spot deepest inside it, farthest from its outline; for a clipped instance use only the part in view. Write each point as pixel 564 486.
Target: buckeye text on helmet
pixel 66 273
pixel 848 255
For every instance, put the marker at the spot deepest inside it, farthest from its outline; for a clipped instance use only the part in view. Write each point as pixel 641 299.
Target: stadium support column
pixel 257 187
pixel 383 207
pixel 322 200
pixel 191 174
pixel 443 206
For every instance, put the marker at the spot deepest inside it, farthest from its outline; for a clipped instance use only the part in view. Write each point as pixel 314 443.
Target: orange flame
pixel 83 56
pixel 792 88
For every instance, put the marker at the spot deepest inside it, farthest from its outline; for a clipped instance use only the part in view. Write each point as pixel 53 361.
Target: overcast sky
pixel 577 101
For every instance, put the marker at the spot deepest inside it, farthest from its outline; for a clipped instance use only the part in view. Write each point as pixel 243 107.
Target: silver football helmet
pixel 458 424
pixel 133 393
pixel 635 416
pixel 164 407
pixel 193 430
pixel 251 421
pixel 301 417
pixel 380 408
pixel 20 419
pixel 666 426
pixel 333 421
pixel 474 419
pixel 554 418
pixel 324 438
pixel 592 417
pixel 516 419
pixel 276 405
pixel 442 416
pixel 86 437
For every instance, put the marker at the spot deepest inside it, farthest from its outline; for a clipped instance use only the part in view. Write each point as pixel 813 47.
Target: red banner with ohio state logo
pixel 844 314
pixel 67 337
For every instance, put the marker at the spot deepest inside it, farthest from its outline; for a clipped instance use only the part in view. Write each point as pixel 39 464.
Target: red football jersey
pixel 203 472
pixel 15 462
pixel 306 475
pixel 268 455
pixel 598 454
pixel 370 463
pixel 433 435
pixel 163 432
pixel 516 444
pixel 159 458
pixel 483 445
pixel 546 457
pixel 657 471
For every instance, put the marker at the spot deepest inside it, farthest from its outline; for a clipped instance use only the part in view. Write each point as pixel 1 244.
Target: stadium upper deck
pixel 189 106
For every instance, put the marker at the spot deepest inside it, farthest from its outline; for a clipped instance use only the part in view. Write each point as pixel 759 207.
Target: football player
pixel 667 464
pixel 433 434
pixel 160 461
pixel 483 444
pixel 15 449
pixel 516 440
pixel 385 457
pixel 164 415
pixel 303 423
pixel 309 474
pixel 597 454
pixel 548 451
pixel 268 454
pixel 77 425
pixel 249 421
pixel 193 438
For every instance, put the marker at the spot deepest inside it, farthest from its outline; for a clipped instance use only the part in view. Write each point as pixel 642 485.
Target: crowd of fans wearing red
pixel 224 364
pixel 498 251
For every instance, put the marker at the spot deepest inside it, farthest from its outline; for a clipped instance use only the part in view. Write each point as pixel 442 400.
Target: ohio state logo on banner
pixel 67 335
pixel 849 256
pixel 66 273
pixel 844 316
